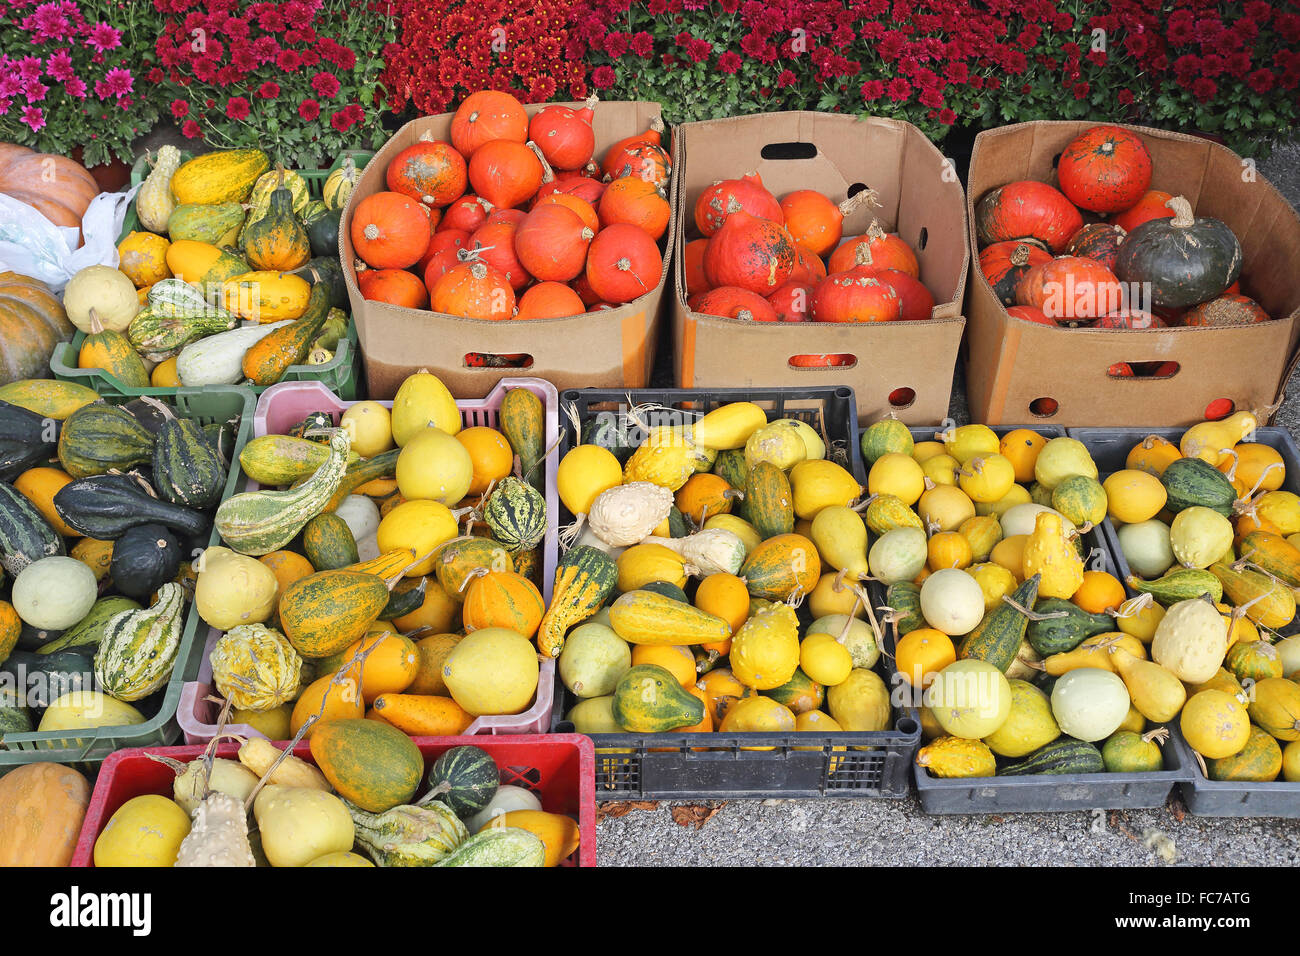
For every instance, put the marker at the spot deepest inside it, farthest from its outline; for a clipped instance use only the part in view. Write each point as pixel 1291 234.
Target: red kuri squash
pixel 636 201
pixel 431 173
pixel 394 286
pixel 730 302
pixel 506 173
pixel 494 242
pixel 1071 290
pixel 1105 169
pixel 390 231
pixel 917 300
pixel 1151 206
pixel 1029 314
pixel 564 135
pixel 474 290
pixel 552 242
pixel 793 301
pixel 1099 241
pixel 623 262
pixel 1004 264
pixel 877 249
pixel 731 195
pixel 1027 210
pixel 549 300
pixel 485 116
pixel 467 213
pixel 1227 309
pixel 855 296
pixel 693 267
pixel 753 253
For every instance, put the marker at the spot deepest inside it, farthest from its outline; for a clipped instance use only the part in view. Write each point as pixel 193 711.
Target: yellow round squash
pixel 142 257
pixel 434 465
pixel 585 472
pixel 423 526
pixel 423 400
pixel 492 671
pixel 370 426
pixel 1215 724
pixel 145 831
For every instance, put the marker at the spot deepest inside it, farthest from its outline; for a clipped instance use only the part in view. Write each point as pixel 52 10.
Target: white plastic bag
pixel 31 245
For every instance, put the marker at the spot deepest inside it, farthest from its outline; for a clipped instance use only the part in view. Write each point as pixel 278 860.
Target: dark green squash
pixel 731 467
pixel 1184 259
pixel 25 534
pixel 1057 635
pixel 406 598
pixel 186 468
pixel 465 779
pixel 326 269
pixel 52 674
pixel 997 638
pixel 678 526
pixel 36 638
pixel 1190 482
pixel 613 432
pixel 667 589
pixel 144 559
pixel 323 233
pixel 26 440
pixel 107 506
pixel 1063 755
pixel 277 241
pixel 99 438
pixel 150 412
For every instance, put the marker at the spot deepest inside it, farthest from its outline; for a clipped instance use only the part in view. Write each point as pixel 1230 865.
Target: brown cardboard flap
pixel 610 348
pixel 1012 362
pixel 921 199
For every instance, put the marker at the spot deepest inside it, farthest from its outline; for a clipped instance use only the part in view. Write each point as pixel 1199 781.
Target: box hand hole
pixel 838 360
pixel 1044 407
pixel 1148 370
pixel 902 397
pixel 783 151
pixel 493 360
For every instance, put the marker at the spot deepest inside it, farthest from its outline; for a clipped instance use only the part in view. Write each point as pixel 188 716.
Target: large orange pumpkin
pixel 505 173
pixel 636 201
pixel 57 187
pixel 564 135
pixel 549 300
pixel 431 173
pixel 32 322
pixel 42 806
pixel 485 116
pixel 753 253
pixel 552 242
pixel 474 290
pixel 390 231
pixel 623 263
pixel 878 249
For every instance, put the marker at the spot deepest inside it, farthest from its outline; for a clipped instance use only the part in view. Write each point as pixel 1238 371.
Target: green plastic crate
pixel 341 374
pixel 214 403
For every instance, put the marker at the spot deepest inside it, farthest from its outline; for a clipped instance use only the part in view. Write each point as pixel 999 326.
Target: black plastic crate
pixel 1109 448
pixel 675 766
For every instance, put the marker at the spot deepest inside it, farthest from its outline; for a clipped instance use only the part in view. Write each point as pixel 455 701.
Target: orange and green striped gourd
pixel 584 578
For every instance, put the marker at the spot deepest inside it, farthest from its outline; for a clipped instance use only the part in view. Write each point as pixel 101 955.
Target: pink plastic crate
pixel 281 407
pixel 559 768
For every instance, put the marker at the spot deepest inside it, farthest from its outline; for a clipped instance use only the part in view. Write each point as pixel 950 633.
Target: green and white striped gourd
pixel 139 648
pixel 499 846
pixel 259 522
pixel 516 513
pixel 409 835
pixel 186 467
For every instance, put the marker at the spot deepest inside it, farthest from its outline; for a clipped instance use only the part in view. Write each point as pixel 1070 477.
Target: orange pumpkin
pixel 812 220
pixel 32 323
pixel 723 198
pixel 1071 289
pixel 42 806
pixel 693 267
pixel 466 214
pixel 564 135
pixel 431 173
pixel 877 249
pixel 585 210
pixel 485 116
pixel 750 252
pixel 503 599
pixel 453 239
pixel 58 188
pixel 549 300
pixel 474 290
pixel 494 243
pixel 390 231
pixel 855 296
pixel 552 242
pixel 628 156
pixel 635 201
pixel 505 173
pixel 703 496
pixel 623 262
pixel 394 286
pixel 733 302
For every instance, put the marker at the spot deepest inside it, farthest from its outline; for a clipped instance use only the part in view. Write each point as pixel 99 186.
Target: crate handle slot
pixel 785 151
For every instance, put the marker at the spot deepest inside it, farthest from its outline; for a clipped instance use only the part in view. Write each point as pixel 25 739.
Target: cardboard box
pixel 921 199
pixel 1010 362
pixel 614 348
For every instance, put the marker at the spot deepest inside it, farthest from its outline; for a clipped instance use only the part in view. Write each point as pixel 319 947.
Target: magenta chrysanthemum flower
pixel 35 92
pixel 119 81
pixel 325 84
pixel 104 38
pixel 30 68
pixel 34 117
pixel 75 87
pixel 59 65
pixel 49 22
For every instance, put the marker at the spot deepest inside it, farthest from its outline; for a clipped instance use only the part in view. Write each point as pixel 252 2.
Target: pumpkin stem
pixel 874 232
pixel 591 101
pixel 861 198
pixel 548 174
pixel 862 254
pixel 1132 607
pixel 656 124
pixel 1020 256
pixel 96 326
pixel 1183 215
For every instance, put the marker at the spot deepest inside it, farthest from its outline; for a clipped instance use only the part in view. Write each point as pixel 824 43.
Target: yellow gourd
pixel 266 296
pixel 1209 440
pixel 968 441
pixel 1059 459
pixel 945 507
pixel 1094 652
pixel 841 539
pixel 898 475
pixel 154 203
pixel 983 532
pixel 818 483
pixel 957 757
pixel 1254 466
pixel 1153 455
pixel 1009 553
pixel 423 400
pixel 645 563
pixel 765 651
pixel 666 458
pixel 987 478
pixel 142 256
pixel 941 469
pixel 886 512
pixel 1191 641
pixel 780 443
pixel 1134 495
pixel 728 426
pixel 1155 692
pixel 1215 724
pixel 825 660
pixel 1050 553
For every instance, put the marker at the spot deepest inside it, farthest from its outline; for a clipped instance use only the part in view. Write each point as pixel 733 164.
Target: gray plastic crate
pixel 668 766
pixel 1109 448
pixel 1054 793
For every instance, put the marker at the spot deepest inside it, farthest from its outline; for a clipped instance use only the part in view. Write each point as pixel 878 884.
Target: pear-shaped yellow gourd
pixel 841 539
pixel 1155 692
pixel 1050 553
pixel 818 483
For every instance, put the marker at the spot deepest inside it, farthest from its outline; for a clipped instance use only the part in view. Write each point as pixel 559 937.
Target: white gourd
pixel 361 516
pixel 626 514
pixel 1199 537
pixel 154 203
pixel 712 551
pixel 508 797
pixel 1191 641
pixel 219 359
pixel 229 777
pixel 219 836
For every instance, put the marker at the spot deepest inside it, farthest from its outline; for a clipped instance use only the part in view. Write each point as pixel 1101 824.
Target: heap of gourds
pixel 1087 253
pixel 1222 558
pixel 226 240
pixel 513 218
pixel 341 594
pixel 766 640
pixel 100 507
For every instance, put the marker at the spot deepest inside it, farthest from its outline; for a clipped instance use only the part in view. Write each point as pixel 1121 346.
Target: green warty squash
pixel 139 648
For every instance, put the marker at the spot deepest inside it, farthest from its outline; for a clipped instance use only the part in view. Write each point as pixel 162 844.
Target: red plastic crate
pixel 559 768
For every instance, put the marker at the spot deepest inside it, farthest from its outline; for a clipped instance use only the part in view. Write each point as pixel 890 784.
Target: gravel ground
pixel 840 832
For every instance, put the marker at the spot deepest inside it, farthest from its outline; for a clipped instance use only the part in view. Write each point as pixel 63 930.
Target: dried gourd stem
pixel 394 579
pixel 569 533
pixel 866 196
pixel 865 503
pixel 548 174
pixel 479 572
pixel 1262 415
pixel 1159 735
pixel 1132 607
pixel 158 406
pixel 1080 531
pixel 848 623
pixel 1231 473
pixel 1242 561
pixel 210 752
pixel 871 615
pixel 932 525
pixel 1258 481
pixel 1200 762
pixel 795 598
pixel 174 765
pixel 1033 615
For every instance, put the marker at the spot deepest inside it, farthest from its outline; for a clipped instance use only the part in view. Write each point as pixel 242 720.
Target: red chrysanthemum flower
pixel 309 110
pixel 180 109
pixel 729 62
pixel 325 85
pixel 191 130
pixel 237 108
pixel 268 90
